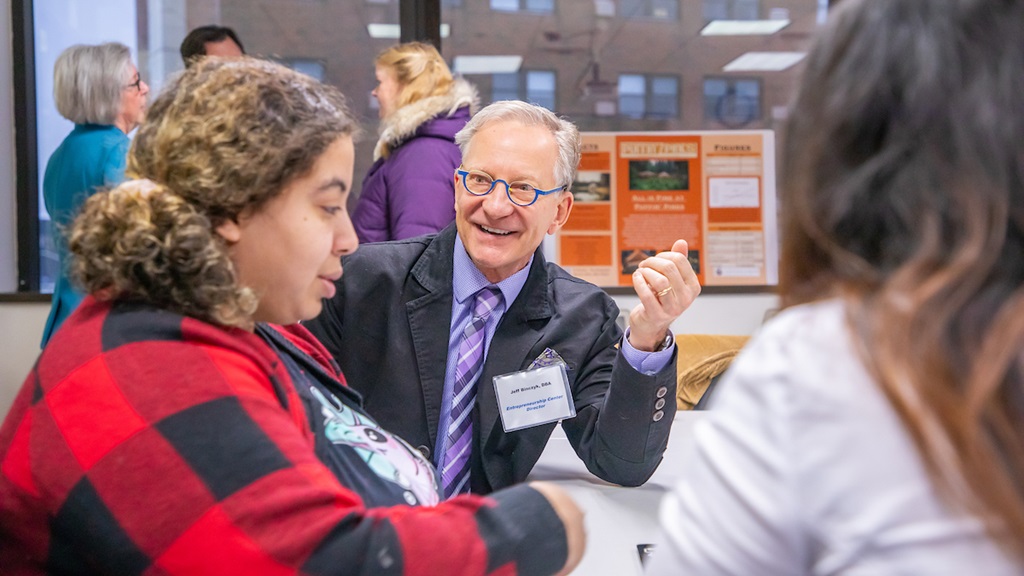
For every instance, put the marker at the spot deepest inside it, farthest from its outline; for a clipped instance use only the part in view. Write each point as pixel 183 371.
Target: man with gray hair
pixel 471 346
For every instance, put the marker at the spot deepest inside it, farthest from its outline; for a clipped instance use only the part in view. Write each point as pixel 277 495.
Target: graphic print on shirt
pixel 388 456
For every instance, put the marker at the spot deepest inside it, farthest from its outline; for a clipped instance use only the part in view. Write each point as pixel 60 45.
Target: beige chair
pixel 701 358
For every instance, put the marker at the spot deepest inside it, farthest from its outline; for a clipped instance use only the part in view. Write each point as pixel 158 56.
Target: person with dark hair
pixel 182 422
pixel 874 426
pixel 210 40
pixel 99 89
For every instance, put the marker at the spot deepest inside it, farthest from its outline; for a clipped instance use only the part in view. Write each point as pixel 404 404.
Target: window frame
pixel 731 82
pixel 647 7
pixel 522 7
pixel 25 147
pixel 420 20
pixel 730 8
pixel 648 95
pixel 522 85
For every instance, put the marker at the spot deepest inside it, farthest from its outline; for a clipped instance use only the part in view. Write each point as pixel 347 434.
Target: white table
pixel 617 518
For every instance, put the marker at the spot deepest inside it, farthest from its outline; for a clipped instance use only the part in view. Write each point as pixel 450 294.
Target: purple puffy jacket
pixel 411 192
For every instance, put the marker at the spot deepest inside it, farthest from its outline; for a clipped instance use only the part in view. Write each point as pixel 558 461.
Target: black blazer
pixel 388 328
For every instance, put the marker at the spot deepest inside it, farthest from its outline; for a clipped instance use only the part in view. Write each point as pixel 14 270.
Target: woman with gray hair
pixel 100 90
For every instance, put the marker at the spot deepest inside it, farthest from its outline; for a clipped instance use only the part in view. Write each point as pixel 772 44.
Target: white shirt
pixel 803 467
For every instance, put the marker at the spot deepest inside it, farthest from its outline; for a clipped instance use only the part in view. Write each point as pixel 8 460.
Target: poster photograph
pixel 661 175
pixel 592 186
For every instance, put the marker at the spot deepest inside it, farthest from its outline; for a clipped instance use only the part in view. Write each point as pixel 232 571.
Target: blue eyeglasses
pixel 480 183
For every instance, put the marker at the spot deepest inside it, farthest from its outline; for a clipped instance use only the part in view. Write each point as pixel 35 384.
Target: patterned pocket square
pixel 547 358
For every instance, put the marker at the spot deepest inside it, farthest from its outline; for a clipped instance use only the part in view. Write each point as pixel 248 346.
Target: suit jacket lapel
pixel 428 304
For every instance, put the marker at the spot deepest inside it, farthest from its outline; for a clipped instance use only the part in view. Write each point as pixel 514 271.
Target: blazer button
pixel 658 415
pixel 659 404
pixel 424 451
pixel 662 391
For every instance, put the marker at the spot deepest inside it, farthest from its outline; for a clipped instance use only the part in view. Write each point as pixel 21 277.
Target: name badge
pixel 534 397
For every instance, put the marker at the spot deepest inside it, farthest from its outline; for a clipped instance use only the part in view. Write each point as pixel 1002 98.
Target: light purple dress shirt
pixel 467 280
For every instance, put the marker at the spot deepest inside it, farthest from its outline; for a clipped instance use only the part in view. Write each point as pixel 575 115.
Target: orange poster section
pixel 659 197
pixel 590 217
pixel 736 157
pixel 735 171
pixel 586 242
pixel 588 249
pixel 636 193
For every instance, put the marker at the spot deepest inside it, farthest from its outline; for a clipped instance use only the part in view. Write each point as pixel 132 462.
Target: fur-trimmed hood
pixel 404 122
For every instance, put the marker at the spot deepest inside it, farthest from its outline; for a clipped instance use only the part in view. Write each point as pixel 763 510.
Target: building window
pixel 543 6
pixel 653 97
pixel 505 86
pixel 731 10
pixel 652 9
pixel 537 86
pixel 732 102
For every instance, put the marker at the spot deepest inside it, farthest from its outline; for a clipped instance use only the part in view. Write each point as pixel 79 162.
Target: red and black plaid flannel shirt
pixel 147 443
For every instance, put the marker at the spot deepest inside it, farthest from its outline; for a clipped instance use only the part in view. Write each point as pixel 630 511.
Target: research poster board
pixel 637 192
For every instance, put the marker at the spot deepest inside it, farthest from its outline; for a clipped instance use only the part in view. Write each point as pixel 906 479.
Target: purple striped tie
pixel 455 472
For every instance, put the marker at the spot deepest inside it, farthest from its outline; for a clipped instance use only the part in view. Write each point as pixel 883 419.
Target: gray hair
pixel 567 136
pixel 88 80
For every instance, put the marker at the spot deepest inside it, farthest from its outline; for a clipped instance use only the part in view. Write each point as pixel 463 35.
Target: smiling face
pixel 133 101
pixel 289 252
pixel 500 236
pixel 387 90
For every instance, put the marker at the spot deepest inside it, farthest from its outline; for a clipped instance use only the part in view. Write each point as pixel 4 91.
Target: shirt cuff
pixel 647 363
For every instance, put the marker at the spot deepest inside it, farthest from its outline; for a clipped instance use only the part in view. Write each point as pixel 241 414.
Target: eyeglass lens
pixel 521 193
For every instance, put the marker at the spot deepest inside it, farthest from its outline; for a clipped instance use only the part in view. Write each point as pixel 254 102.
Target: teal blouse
pixel 91 158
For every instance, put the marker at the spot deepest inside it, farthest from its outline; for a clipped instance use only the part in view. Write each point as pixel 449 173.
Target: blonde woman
pixel 409 190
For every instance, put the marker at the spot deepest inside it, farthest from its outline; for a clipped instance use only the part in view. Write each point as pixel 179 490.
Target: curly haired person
pixel 183 423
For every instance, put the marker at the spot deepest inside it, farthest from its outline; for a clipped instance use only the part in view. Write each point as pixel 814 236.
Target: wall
pixel 23 326
pixel 19 345
pixel 738 314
